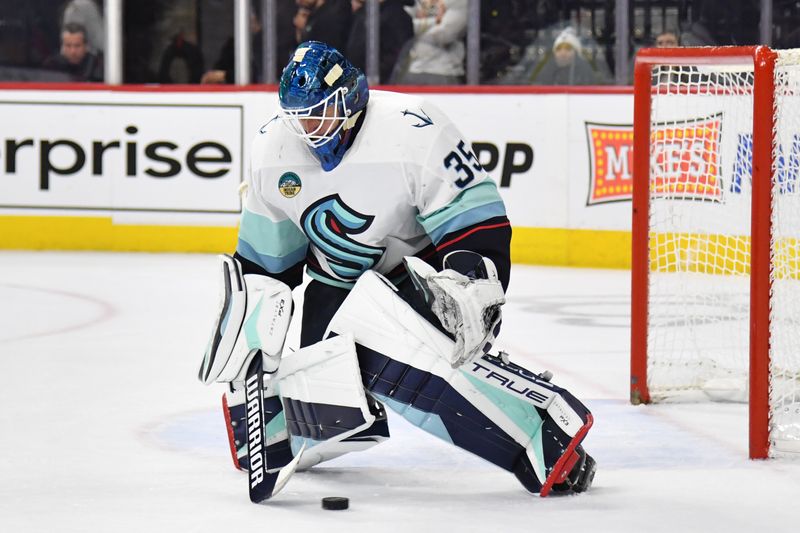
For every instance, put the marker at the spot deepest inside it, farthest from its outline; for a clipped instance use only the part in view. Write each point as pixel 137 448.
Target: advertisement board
pixel 121 157
pixel 172 159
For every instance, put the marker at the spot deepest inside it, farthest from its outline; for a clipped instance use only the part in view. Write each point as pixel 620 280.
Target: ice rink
pixel 105 427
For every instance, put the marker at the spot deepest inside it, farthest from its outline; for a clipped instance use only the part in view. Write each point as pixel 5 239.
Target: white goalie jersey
pixel 409 180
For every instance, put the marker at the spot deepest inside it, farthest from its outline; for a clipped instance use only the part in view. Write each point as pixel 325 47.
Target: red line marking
pixel 470 232
pixel 107 311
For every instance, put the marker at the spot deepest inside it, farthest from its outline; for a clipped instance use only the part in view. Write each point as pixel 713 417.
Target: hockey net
pixel 698 327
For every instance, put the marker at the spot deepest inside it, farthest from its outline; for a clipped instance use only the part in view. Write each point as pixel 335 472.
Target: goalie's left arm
pixel 459 205
pixel 488 238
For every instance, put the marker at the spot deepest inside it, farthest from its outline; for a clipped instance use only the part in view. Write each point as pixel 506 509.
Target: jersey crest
pixel 330 224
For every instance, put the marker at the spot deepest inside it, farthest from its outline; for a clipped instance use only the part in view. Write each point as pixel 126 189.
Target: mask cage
pixel 321 122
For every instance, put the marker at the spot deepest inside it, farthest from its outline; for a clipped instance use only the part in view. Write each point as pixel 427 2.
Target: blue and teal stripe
pixel 275 246
pixel 470 207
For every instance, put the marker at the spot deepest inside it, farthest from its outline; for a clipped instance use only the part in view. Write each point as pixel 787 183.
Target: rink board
pixel 158 169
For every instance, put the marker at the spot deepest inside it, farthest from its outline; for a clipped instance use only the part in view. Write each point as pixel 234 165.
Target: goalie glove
pixel 467 304
pixel 253 319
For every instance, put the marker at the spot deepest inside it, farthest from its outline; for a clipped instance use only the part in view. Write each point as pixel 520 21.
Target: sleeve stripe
pixel 271 264
pixel 444 245
pixel 471 206
pixel 269 238
pixel 467 218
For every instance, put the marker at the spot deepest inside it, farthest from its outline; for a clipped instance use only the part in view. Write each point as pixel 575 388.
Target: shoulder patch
pixel 420 120
pixel 263 129
pixel 289 184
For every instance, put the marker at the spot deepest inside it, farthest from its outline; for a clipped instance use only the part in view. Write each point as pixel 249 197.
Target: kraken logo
pixel 329 224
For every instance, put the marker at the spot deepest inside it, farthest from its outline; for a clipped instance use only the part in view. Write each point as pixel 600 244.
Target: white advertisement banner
pixel 165 157
pixel 520 139
pixel 88 155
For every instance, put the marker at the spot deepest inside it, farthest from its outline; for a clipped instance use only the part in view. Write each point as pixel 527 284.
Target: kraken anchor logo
pixel 425 120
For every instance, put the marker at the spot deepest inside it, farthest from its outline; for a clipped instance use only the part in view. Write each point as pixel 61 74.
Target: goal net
pixel 716 234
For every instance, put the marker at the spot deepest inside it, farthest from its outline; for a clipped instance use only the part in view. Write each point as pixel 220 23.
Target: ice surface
pixel 104 427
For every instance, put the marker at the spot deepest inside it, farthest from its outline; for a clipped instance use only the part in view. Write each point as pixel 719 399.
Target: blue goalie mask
pixel 321 96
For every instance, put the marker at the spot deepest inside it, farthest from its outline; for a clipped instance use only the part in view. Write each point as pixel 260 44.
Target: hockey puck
pixel 335 503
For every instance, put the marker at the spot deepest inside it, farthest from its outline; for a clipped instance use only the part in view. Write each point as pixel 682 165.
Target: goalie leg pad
pixel 496 410
pixel 316 399
pixel 325 405
pixel 542 456
pixel 335 447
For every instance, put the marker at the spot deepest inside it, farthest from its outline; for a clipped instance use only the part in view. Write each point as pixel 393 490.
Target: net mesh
pixel 700 192
pixel 785 258
pixel 700 198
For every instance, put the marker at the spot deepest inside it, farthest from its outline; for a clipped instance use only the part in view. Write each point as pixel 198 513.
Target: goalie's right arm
pixel 254 318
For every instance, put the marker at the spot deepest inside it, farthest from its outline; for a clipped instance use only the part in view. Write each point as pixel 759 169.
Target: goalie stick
pixel 263 483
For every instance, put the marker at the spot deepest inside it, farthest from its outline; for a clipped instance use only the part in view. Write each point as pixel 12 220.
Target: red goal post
pixel 687 61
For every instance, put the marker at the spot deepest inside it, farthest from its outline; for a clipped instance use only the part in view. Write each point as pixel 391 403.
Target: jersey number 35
pixel 464 162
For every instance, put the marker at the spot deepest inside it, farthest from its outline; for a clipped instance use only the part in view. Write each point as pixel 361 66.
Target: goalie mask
pixel 322 96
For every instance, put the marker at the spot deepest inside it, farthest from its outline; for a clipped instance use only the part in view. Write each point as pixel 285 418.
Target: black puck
pixel 335 503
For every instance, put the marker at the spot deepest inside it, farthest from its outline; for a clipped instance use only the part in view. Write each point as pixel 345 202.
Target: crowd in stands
pixel 65 46
pixel 422 42
pixel 76 57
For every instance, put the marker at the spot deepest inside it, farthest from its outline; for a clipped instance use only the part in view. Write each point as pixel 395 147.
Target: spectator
pixel 674 74
pixel 437 53
pixel 396 29
pixel 224 68
pixel 181 62
pixel 667 39
pixel 501 37
pixel 87 14
pixel 326 21
pixel 286 33
pixel 75 58
pixel 567 66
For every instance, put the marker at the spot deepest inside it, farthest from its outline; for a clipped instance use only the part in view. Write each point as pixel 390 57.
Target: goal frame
pixel 763 60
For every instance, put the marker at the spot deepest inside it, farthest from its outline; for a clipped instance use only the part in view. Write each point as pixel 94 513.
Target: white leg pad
pixel 383 322
pixel 323 398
